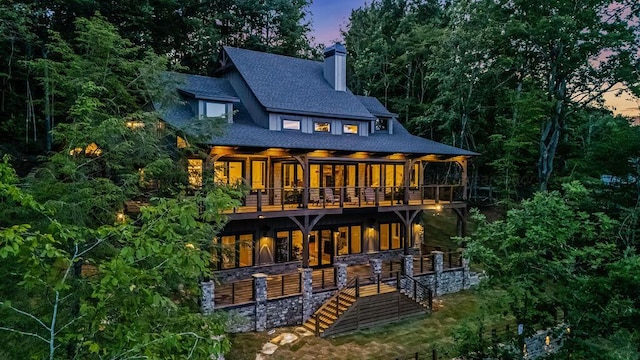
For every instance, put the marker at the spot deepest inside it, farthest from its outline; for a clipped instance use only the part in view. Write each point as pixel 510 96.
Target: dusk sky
pixel 328 16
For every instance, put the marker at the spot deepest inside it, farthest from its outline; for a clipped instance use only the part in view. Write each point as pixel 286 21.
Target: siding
pixel 255 109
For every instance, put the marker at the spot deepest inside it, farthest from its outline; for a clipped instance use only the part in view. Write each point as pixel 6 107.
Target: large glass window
pixel 415 175
pixel 291 124
pixel 349 240
pixel 373 175
pixel 292 175
pixel 194 170
pixel 258 174
pixel 233 251
pixel 342 240
pixel 288 245
pixel 228 172
pixel 393 175
pixel 384 236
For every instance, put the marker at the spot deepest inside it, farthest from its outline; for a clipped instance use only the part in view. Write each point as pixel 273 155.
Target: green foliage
pixel 82 281
pixel 552 257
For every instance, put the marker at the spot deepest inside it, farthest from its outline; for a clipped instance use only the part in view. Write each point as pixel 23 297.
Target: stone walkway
pixel 283 339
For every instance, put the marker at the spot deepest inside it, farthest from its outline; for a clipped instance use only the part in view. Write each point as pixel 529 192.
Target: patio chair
pixel 329 197
pixel 369 195
pixel 314 196
pixel 351 195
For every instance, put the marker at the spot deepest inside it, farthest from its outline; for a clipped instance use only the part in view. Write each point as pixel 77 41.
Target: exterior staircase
pixel 361 306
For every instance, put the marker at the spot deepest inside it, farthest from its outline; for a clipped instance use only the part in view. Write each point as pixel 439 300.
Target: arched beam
pixel 306 226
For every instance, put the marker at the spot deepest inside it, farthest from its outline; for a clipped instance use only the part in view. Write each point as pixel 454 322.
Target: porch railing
pixel 270 199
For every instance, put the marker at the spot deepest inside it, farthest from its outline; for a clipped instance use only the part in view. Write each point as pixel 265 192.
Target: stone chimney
pixel 335 66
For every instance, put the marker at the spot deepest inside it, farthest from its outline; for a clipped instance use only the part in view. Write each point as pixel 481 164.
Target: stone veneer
pixel 231 275
pixel 264 313
pixel 363 258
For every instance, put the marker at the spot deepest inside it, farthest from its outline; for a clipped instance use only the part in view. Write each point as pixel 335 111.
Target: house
pixel 333 177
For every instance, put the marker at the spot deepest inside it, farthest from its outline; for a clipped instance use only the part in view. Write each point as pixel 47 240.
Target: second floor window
pixel 322 127
pixel 228 172
pixel 194 170
pixel 350 129
pixel 290 124
pixel 258 175
pixel 215 109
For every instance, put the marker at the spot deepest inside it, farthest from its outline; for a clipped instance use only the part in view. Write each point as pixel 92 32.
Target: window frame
pixel 317 123
pixel 299 127
pixel 344 127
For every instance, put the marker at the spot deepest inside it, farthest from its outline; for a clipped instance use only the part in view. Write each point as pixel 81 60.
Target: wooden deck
pixel 246 212
pixel 280 285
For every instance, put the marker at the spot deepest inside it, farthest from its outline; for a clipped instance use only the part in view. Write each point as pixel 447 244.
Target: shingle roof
pixel 292 85
pixel 374 106
pixel 206 88
pixel 244 132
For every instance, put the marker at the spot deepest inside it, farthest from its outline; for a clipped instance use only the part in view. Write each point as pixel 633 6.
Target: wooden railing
pixel 239 292
pixel 278 198
pixel 325 280
pixel 284 285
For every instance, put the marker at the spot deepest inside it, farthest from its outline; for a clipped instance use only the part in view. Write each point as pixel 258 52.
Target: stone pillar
pixel 375 266
pixel 307 294
pixel 466 275
pixel 260 291
pixel 438 267
pixel 341 275
pixel 407 265
pixel 207 303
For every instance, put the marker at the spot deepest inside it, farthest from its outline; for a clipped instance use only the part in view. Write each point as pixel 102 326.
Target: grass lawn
pixel 403 338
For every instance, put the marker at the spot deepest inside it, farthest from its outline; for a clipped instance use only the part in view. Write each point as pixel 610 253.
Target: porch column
pixel 375 268
pixel 341 275
pixel 407 265
pixel 307 294
pixel 438 267
pixel 260 291
pixel 207 303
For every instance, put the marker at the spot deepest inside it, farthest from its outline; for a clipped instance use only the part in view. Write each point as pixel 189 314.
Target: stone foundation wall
pixel 284 311
pixel 241 318
pixel 266 313
pixel 355 259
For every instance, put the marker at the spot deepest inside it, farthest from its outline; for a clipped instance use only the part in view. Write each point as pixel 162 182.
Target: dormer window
pixel 322 127
pixel 290 124
pixel 213 109
pixel 349 129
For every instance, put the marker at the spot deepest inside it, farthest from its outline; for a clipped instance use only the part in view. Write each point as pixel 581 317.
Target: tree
pixel 85 280
pixel 551 257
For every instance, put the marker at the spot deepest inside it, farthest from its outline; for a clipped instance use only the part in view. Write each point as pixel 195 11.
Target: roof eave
pixel 200 96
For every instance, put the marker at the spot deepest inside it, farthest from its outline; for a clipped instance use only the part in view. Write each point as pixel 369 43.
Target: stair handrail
pixel 425 290
pixel 353 283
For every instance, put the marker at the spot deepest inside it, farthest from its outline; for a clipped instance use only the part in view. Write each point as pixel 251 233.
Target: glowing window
pixel 228 172
pixel 194 169
pixel 350 129
pixel 322 127
pixel 291 124
pixel 258 174
pixel 181 143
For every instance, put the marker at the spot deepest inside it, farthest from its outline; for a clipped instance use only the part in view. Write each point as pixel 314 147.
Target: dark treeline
pixel 189 33
pixel 519 81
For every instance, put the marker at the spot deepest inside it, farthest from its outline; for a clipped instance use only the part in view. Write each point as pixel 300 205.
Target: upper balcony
pixel 272 202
